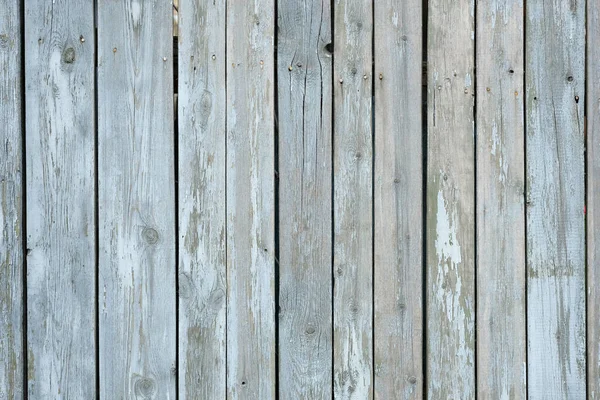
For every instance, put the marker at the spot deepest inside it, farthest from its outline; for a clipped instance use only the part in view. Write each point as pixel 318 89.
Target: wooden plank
pixel 555 78
pixel 250 200
pixel 353 200
pixel 61 259
pixel 500 154
pixel 450 199
pixel 398 200
pixel 305 199
pixel 137 265
pixel 11 195
pixel 202 269
pixel 593 199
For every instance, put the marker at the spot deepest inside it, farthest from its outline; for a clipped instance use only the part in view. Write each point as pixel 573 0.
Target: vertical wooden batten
pixel 398 330
pixel 61 259
pixel 11 201
pixel 305 198
pixel 137 255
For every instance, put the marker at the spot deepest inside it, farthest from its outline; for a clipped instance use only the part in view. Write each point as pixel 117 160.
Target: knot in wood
pixel 68 56
pixel 150 235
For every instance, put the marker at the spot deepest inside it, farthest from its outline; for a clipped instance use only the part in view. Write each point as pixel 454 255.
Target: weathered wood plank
pixel 250 200
pixel 398 200
pixel 593 199
pixel 555 76
pixel 202 269
pixel 61 259
pixel 353 200
pixel 305 196
pixel 450 200
pixel 500 154
pixel 136 199
pixel 11 195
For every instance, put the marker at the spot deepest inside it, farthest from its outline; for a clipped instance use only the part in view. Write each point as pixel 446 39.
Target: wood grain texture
pixel 593 200
pixel 305 199
pixel 250 200
pixel 450 237
pixel 555 71
pixel 137 265
pixel 11 202
pixel 202 269
pixel 353 200
pixel 398 201
pixel 501 328
pixel 61 259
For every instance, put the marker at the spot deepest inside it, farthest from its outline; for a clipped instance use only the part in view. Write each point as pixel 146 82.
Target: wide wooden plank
pixel 555 78
pixel 60 159
pixel 11 201
pixel 250 200
pixel 398 200
pixel 136 185
pixel 450 237
pixel 353 200
pixel 304 67
pixel 501 328
pixel 202 269
pixel 593 199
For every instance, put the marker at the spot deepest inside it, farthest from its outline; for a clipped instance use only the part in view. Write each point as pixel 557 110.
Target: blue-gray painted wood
pixel 136 188
pixel 398 200
pixel 11 200
pixel 450 235
pixel 501 328
pixel 305 195
pixel 202 268
pixel 251 354
pixel 60 143
pixel 555 93
pixel 353 200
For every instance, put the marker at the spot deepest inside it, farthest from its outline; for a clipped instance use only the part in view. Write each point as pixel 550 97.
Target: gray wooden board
pixel 555 77
pixel 250 173
pixel 202 269
pixel 61 259
pixel 593 200
pixel 501 328
pixel 450 236
pixel 136 185
pixel 11 195
pixel 305 195
pixel 353 201
pixel 398 201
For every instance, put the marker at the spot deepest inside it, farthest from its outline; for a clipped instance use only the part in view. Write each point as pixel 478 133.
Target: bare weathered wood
pixel 450 237
pixel 250 200
pixel 136 200
pixel 11 198
pixel 593 199
pixel 353 201
pixel 202 269
pixel 555 76
pixel 305 195
pixel 398 201
pixel 501 329
pixel 61 260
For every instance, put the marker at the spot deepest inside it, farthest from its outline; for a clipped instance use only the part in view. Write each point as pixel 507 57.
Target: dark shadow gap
pixel 373 195
pixel 176 187
pixel 475 197
pixel 24 353
pixel 525 194
pixel 424 17
pixel 96 205
pixel 585 193
pixel 276 188
pixel 226 225
pixel 331 48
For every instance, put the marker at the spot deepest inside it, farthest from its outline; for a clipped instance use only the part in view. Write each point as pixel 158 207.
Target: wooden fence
pixel 286 204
